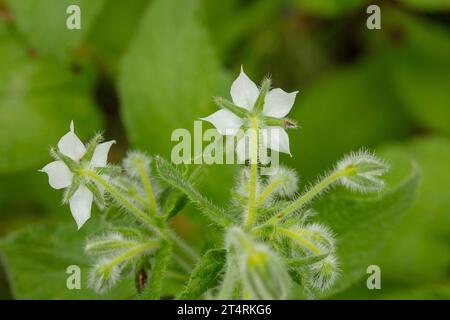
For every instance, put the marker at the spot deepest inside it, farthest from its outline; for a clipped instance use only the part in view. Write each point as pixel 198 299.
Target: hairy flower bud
pixel 324 273
pixel 363 172
pixel 284 182
pixel 135 162
pixel 262 272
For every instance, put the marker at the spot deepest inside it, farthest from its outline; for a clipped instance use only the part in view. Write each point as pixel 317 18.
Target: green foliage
pixel 420 71
pixel 346 101
pixel 44 24
pixel 429 5
pixel 363 224
pixel 419 252
pixel 169 74
pixel 161 261
pixel 111 46
pixel 172 175
pixel 151 66
pixel 329 8
pixel 38 99
pixel 37 257
pixel 205 275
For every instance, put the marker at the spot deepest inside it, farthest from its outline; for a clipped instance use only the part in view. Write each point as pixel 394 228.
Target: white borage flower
pixel 62 173
pixel 270 112
pixel 364 171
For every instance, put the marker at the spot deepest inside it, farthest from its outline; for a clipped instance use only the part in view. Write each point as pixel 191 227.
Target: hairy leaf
pixel 205 275
pixel 363 223
pixel 36 260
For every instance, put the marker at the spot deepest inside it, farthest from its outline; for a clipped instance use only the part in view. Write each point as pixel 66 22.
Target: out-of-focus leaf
pixel 38 99
pixel 36 260
pixel 344 111
pixel 420 70
pixel 329 8
pixel 231 21
pixel 44 23
pixel 427 292
pixel 428 5
pixel 169 75
pixel 363 223
pixel 419 251
pixel 108 38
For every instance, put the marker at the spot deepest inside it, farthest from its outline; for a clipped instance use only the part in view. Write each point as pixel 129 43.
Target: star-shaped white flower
pixel 244 93
pixel 60 176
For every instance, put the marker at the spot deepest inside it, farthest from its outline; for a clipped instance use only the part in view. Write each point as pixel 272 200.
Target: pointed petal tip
pixel 72 127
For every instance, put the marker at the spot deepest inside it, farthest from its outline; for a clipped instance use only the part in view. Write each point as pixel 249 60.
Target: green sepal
pixel 259 104
pixel 224 103
pixel 76 182
pixel 91 147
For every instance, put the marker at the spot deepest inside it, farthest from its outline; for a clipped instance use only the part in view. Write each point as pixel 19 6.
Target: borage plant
pixel 269 239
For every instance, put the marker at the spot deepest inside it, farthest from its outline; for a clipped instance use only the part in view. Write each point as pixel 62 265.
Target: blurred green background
pixel 140 69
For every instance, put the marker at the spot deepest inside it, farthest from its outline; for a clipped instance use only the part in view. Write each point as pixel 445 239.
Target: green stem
pixel 300 239
pixel 148 189
pixel 307 196
pixel 133 251
pixel 268 191
pixel 253 173
pixel 138 213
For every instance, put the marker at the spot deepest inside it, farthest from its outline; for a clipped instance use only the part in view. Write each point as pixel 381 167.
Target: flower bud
pixel 104 275
pixel 362 172
pixel 324 273
pixel 284 181
pixel 262 272
pixel 135 162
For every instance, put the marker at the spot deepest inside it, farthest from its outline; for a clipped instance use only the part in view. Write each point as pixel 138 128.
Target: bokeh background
pixel 140 69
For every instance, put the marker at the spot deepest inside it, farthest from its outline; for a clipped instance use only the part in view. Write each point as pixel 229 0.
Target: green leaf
pixel 168 76
pixel 109 40
pixel 205 275
pixel 44 23
pixel 419 252
pixel 426 292
pixel 160 264
pixel 38 99
pixel 428 5
pixel 329 8
pixel 420 70
pixel 36 260
pixel 363 223
pixel 172 175
pixel 348 102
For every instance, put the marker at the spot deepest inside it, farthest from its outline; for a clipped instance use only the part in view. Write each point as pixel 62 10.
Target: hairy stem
pixel 268 190
pixel 253 174
pixel 138 213
pixel 152 244
pixel 148 189
pixel 307 196
pixel 308 244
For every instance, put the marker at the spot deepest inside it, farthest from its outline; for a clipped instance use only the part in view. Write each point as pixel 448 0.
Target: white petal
pixel 225 121
pixel 71 146
pixel 80 205
pixel 100 156
pixel 278 103
pixel 276 138
pixel 244 91
pixel 59 175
